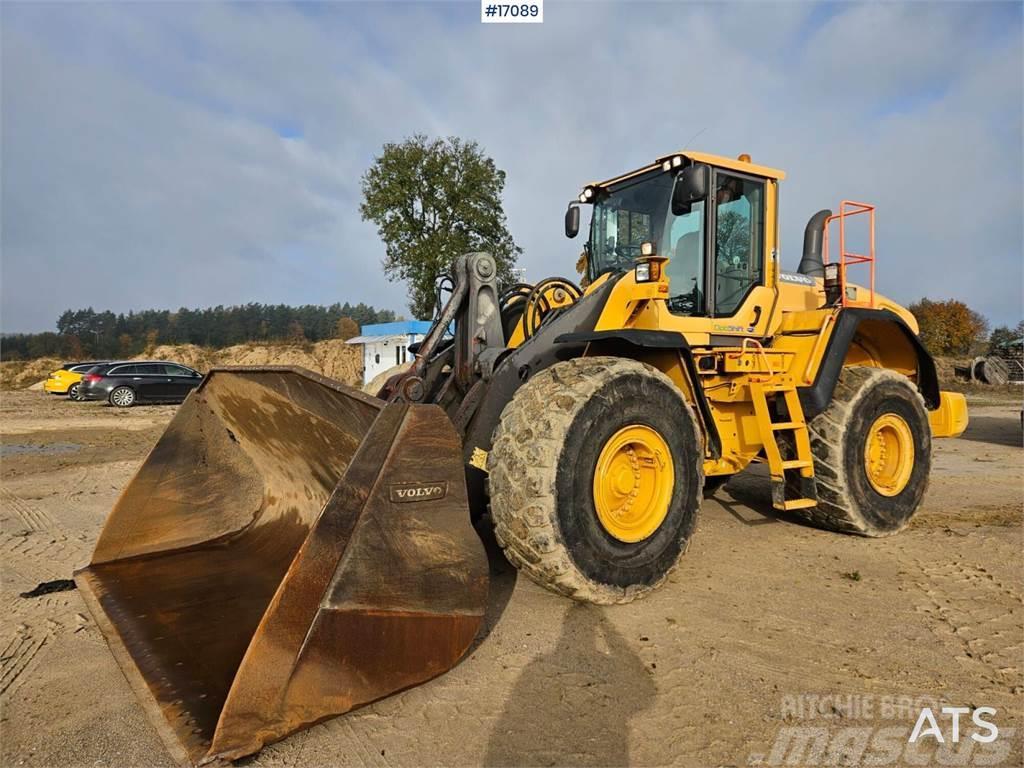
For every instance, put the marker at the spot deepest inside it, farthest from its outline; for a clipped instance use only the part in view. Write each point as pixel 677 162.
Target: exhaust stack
pixel 811 263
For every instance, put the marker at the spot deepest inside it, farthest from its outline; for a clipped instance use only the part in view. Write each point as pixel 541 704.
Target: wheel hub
pixel 889 454
pixel 633 483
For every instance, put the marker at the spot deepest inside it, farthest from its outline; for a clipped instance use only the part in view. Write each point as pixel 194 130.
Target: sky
pixel 161 155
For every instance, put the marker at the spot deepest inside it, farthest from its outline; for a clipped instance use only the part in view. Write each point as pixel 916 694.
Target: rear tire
pixel 73 392
pixel 122 397
pixel 552 437
pixel 871 489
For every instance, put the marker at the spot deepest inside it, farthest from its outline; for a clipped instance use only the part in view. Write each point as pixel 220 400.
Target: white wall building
pixel 386 345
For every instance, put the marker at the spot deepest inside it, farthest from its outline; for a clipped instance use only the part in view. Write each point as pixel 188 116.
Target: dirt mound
pixel 333 358
pixel 19 374
pixel 186 354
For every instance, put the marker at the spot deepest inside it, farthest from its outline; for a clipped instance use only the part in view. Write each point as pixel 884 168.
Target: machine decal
pixel 402 492
pixel 734 328
pixel 792 277
pixel 479 459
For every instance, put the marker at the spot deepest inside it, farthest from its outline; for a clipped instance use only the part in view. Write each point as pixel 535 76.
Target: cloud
pixel 160 156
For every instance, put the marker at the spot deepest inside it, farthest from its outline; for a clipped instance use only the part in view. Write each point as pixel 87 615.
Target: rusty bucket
pixel 290 549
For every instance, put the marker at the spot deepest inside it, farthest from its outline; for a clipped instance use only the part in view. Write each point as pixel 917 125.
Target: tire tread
pixel 523 466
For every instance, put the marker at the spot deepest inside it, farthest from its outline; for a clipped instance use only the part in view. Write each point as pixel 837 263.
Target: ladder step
pixel 797 464
pixel 780 425
pixel 796 504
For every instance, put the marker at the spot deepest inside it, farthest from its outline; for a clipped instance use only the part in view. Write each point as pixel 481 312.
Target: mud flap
pixel 290 549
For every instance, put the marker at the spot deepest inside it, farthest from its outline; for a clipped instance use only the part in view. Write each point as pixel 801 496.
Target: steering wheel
pixel 624 257
pixel 685 303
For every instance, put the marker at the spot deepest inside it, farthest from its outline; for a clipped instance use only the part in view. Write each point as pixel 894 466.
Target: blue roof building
pixel 386 345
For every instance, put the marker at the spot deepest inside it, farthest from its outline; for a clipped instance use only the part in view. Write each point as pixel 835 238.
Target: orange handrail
pixel 847 258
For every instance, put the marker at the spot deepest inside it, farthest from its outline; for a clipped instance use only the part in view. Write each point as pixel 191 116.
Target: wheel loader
pixel 293 548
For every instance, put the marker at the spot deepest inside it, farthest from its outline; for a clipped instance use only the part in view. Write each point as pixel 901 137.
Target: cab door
pixel 738 281
pixel 721 265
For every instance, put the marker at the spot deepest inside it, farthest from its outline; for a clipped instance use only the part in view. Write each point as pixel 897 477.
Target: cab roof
pixel 730 163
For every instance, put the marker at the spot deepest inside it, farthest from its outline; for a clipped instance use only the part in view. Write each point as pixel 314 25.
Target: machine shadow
pixel 995 430
pixel 502 581
pixel 572 705
pixel 748 499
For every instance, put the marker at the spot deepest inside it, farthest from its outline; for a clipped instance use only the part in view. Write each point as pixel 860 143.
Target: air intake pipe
pixel 811 263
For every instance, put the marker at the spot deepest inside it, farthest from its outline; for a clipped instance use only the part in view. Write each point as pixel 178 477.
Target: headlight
pixel 648 271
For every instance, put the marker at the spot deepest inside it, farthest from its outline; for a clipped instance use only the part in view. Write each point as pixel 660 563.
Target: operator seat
pixel 684 268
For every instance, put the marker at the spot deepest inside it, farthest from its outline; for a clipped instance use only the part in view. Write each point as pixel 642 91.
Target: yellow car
pixel 65 381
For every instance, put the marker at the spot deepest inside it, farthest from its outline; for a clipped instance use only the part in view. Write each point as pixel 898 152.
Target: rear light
pixel 91 377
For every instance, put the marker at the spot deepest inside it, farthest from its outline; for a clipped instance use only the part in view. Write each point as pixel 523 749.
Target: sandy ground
pixel 769 630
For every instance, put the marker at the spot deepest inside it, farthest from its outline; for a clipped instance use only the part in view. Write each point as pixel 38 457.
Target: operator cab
pixel 707 214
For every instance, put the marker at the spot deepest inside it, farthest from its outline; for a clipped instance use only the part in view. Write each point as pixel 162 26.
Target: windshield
pixel 624 219
pixel 638 212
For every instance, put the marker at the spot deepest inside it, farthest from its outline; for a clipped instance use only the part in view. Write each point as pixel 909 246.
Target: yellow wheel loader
pixel 293 548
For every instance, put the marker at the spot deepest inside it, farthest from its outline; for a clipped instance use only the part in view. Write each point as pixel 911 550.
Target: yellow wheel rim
pixel 633 483
pixel 889 454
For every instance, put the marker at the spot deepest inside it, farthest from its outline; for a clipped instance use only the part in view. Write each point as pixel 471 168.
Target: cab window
pixel 739 240
pixel 685 249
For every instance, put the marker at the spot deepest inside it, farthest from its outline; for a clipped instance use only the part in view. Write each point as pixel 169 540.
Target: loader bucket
pixel 290 549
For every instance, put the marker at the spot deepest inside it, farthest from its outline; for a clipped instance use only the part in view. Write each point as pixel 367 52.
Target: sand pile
pixel 19 374
pixel 333 358
pixel 187 354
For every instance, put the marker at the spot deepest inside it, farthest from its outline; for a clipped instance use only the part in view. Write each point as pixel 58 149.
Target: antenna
pixel 695 136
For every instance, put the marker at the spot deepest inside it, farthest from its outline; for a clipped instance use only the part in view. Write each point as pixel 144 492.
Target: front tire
pixel 596 476
pixel 122 397
pixel 73 393
pixel 872 451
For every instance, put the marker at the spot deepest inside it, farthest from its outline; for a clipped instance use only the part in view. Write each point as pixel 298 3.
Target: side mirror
pixel 572 221
pixel 692 184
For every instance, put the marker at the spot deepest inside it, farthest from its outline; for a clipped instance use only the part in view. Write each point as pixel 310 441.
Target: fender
pixel 514 369
pixel 660 340
pixel 816 397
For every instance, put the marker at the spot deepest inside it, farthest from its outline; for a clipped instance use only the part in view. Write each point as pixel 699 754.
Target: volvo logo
pixel 402 492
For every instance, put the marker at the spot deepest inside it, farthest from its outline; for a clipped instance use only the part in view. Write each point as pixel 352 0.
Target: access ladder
pixel 785 495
